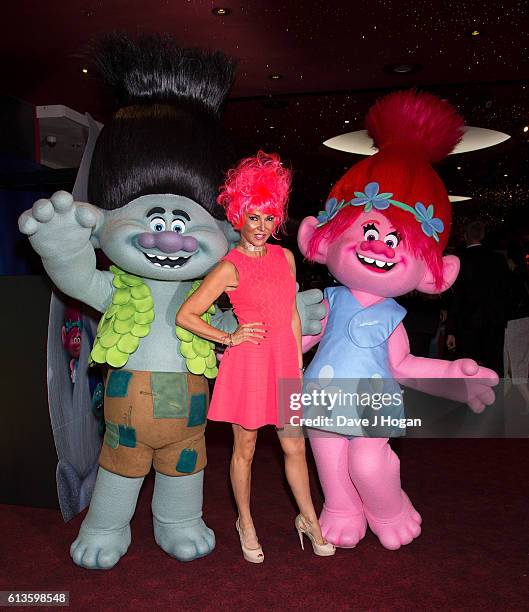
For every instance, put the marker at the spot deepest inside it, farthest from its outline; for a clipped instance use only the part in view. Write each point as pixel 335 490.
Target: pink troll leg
pixel 342 519
pixel 375 471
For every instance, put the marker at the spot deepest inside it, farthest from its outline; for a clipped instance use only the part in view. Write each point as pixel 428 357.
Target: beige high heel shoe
pixel 253 555
pixel 322 550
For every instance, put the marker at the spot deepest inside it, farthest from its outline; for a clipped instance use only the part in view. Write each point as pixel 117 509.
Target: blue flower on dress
pixel 370 198
pixel 430 225
pixel 332 208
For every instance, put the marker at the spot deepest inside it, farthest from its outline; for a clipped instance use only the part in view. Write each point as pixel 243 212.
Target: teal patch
pixel 187 460
pixel 118 383
pixel 111 435
pixel 127 436
pixel 169 393
pixel 197 410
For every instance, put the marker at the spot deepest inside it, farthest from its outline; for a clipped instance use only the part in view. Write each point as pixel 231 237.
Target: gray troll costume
pixel 153 179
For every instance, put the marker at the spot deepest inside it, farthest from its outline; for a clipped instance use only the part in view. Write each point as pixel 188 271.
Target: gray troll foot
pixel 104 536
pixel 184 541
pixel 99 550
pixel 177 517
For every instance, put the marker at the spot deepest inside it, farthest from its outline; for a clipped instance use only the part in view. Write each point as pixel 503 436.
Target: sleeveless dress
pixel 352 363
pixel 248 384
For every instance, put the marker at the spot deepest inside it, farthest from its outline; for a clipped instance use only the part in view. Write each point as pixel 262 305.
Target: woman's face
pixel 257 227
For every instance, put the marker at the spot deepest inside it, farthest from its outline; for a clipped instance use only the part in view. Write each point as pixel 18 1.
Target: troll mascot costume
pixel 382 234
pixel 153 181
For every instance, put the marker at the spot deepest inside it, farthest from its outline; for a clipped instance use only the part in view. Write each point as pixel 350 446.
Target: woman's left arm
pixel 296 321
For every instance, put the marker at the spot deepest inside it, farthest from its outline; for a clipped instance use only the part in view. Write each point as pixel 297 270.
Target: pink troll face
pixel 71 332
pixel 387 220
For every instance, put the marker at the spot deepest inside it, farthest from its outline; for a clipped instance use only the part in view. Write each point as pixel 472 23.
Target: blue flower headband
pixel 69 325
pixel 370 198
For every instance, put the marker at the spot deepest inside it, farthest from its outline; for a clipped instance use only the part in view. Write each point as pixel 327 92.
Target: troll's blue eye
pixel 157 224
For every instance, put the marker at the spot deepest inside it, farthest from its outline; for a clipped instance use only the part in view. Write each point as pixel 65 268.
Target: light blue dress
pixel 352 365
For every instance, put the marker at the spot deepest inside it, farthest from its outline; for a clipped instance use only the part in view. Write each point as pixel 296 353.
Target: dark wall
pixel 17 126
pixel 27 452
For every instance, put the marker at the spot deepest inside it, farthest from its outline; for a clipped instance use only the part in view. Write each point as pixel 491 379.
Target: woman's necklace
pixel 248 246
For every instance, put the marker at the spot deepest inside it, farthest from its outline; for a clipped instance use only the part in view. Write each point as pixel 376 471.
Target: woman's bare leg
pixel 241 474
pixel 293 445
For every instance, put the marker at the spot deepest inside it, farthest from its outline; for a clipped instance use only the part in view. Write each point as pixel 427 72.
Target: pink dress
pixel 246 389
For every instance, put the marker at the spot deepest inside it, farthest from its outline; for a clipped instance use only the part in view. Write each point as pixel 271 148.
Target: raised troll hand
pixel 59 227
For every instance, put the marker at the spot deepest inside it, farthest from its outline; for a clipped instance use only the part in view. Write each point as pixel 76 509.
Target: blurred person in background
pixel 516 352
pixel 478 313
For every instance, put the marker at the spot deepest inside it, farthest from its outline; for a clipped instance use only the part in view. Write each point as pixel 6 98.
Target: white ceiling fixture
pixel 361 143
pixel 456 198
pixel 62 133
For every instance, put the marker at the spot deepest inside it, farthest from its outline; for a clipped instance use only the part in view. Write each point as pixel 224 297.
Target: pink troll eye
pixel 392 240
pixel 370 232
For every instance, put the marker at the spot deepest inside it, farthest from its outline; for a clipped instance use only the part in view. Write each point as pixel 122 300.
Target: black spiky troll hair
pixel 166 136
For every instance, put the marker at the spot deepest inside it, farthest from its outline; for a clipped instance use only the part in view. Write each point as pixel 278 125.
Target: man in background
pixel 478 313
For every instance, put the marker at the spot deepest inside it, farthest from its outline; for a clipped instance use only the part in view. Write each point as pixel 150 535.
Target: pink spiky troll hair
pixel 411 130
pixel 258 183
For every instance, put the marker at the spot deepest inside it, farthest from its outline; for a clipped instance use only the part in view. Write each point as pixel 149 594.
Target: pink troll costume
pixel 381 235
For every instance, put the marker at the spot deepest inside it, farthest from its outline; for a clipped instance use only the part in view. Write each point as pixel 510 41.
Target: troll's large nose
pixel 168 242
pixel 377 247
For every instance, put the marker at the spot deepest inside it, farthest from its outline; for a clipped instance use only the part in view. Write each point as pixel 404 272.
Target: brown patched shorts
pixel 154 419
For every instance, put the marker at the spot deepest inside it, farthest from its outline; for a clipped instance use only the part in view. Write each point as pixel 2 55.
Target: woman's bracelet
pixel 227 340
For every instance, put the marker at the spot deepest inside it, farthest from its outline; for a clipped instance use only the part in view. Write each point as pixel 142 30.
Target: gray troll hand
pixel 63 233
pixel 60 227
pixel 311 311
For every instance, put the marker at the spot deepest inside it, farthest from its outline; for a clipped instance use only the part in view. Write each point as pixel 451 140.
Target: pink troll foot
pixel 342 528
pixel 399 530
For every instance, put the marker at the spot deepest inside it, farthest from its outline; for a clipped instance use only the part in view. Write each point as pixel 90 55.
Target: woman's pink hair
pixel 257 183
pixel 411 130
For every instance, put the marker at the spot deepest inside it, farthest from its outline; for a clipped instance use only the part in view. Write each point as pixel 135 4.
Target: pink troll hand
pixel 470 383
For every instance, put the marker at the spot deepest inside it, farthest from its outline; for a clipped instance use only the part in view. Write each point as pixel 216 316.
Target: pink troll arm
pixel 473 388
pixel 307 342
pixel 404 365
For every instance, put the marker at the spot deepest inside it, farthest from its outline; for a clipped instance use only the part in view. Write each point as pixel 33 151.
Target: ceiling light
pixel 456 198
pixel 85 70
pixel 346 120
pixel 361 143
pixel 526 128
pixel 403 68
pixel 505 175
pixel 474 33
pixel 221 11
pixel 275 76
pixel 459 167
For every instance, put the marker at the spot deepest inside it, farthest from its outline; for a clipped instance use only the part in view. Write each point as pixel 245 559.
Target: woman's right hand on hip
pixel 249 332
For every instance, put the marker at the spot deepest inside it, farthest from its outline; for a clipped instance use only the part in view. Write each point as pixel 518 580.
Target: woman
pixel 260 281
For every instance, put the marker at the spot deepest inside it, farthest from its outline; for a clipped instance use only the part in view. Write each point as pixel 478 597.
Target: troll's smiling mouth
pixel 376 264
pixel 166 261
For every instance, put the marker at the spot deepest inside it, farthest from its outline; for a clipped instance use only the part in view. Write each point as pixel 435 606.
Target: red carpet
pixel 473 553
